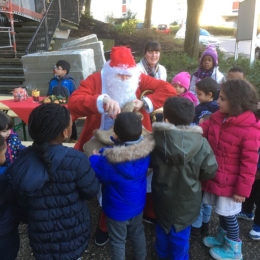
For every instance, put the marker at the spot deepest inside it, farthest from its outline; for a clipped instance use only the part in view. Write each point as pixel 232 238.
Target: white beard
pixel 119 90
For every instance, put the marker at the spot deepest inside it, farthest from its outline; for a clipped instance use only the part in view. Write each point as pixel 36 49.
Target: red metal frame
pixel 10 9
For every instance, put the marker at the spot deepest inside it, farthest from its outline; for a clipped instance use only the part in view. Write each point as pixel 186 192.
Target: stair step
pixel 29 23
pixel 22 29
pixel 19 78
pixel 15 61
pixel 23 35
pixel 7 89
pixel 7 70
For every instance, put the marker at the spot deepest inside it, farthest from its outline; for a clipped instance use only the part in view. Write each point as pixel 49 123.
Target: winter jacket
pixel 14 147
pixel 58 217
pixel 235 142
pixel 211 107
pixel 216 75
pixel 8 220
pixel 62 86
pixel 190 96
pixel 160 74
pixel 181 159
pixel 122 170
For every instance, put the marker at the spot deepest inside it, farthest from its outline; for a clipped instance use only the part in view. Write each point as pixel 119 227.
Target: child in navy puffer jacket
pixel 53 183
pixel 122 169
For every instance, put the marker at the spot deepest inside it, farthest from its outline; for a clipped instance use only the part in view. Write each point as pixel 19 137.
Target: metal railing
pixel 57 10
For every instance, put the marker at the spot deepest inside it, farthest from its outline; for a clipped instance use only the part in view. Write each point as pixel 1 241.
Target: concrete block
pixel 83 40
pixel 38 67
pixel 98 49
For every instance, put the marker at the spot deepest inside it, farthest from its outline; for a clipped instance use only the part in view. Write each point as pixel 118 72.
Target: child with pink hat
pixel 181 83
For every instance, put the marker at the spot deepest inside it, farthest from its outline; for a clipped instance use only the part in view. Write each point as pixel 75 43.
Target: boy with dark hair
pixel 181 160
pixel 122 171
pixel 207 92
pixel 63 85
pixel 236 73
pixel 9 237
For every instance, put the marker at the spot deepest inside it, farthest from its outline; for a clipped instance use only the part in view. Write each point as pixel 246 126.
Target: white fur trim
pixel 161 126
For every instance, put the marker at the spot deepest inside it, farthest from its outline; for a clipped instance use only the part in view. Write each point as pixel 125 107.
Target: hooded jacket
pixel 181 159
pixel 122 170
pixel 235 142
pixel 58 216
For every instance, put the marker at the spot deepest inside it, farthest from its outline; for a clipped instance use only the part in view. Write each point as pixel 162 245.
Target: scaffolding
pixel 6 9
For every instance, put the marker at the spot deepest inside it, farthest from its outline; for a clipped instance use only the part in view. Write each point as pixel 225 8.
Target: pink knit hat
pixel 182 79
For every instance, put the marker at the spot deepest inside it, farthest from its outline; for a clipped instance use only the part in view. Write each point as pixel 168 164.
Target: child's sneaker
pixel 255 232
pixel 216 241
pixel 245 216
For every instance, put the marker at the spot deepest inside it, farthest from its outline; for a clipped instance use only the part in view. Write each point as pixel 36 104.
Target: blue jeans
pixel 204 216
pixel 9 246
pixel 118 231
pixel 174 246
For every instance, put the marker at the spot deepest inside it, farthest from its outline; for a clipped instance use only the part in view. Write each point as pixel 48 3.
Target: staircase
pixel 33 37
pixel 11 68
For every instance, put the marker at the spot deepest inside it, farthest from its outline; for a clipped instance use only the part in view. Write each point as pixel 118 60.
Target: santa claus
pixel 101 96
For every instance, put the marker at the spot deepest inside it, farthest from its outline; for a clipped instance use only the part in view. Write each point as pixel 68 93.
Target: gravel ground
pixel 251 249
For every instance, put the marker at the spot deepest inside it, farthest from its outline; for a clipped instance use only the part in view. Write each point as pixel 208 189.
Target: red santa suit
pixel 83 102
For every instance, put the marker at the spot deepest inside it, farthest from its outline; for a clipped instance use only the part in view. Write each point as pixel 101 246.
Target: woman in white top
pixel 149 64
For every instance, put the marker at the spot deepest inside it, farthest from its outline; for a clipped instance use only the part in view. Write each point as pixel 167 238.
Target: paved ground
pixel 251 249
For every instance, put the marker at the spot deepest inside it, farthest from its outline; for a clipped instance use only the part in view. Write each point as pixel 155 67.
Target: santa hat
pixel 182 79
pixel 122 60
pixel 211 51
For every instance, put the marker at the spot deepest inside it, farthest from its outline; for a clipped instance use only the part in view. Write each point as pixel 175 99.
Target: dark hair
pixel 236 69
pixel 128 126
pixel 46 123
pixel 64 64
pixel 178 110
pixel 152 46
pixel 241 96
pixel 2 143
pixel 208 85
pixel 6 121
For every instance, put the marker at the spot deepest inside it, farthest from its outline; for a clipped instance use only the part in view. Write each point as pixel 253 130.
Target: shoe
pixel 215 241
pixel 255 232
pixel 205 229
pixel 149 220
pixel 101 238
pixel 230 250
pixel 245 216
pixel 195 233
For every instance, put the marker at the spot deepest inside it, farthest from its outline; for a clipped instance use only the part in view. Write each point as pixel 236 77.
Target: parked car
pixel 205 37
pixel 163 28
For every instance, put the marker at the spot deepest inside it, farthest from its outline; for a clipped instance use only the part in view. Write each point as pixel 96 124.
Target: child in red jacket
pixel 234 135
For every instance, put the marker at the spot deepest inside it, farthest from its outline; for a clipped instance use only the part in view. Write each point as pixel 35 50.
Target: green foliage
pixel 220 30
pixel 174 28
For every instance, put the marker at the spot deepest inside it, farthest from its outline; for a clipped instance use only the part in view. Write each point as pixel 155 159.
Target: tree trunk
pixel 148 14
pixel 191 43
pixel 87 6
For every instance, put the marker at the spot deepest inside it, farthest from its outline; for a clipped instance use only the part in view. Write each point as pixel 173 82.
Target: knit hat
pixel 211 51
pixel 122 58
pixel 182 79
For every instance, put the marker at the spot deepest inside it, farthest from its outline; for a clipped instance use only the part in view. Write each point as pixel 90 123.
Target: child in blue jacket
pixel 9 237
pixel 14 145
pixel 62 84
pixel 122 170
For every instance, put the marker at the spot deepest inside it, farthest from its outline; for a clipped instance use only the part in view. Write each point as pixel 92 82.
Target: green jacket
pixel 181 159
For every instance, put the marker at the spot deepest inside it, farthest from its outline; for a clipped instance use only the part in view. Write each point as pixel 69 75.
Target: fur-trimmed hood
pixel 177 144
pixel 119 154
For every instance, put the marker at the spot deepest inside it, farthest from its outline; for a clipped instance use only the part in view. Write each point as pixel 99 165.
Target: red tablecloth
pixel 22 108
